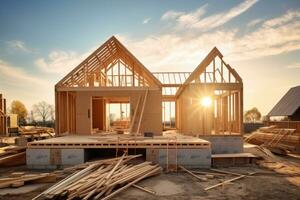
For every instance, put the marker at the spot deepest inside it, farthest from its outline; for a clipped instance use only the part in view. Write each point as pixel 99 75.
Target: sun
pixel 206 101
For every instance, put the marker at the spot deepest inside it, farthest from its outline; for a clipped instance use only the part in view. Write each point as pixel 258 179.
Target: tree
pixel 43 110
pixel 17 107
pixel 252 115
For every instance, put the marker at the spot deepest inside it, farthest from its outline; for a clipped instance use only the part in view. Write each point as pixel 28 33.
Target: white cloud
pixel 16 75
pixel 294 66
pixel 19 84
pixel 287 18
pixel 254 22
pixel 184 50
pixel 195 20
pixel 145 21
pixel 272 38
pixel 189 19
pixel 171 14
pixel 19 46
pixel 60 62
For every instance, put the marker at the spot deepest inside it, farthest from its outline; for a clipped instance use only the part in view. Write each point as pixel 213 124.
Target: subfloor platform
pixel 74 149
pixel 120 141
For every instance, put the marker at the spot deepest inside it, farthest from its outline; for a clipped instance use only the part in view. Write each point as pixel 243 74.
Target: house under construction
pixel 111 92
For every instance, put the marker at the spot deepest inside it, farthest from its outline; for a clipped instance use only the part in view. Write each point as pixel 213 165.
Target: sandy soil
pixel 273 180
pixel 264 185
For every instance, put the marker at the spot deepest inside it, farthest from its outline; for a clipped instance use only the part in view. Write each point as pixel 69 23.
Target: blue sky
pixel 40 41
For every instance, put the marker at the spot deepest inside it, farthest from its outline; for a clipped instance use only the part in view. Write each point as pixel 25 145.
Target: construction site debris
pixel 35 130
pixel 102 179
pixel 18 180
pixel 277 140
pixel 228 181
pixel 12 156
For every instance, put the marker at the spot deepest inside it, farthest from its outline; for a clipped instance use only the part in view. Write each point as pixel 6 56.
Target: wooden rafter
pixel 210 76
pixel 107 56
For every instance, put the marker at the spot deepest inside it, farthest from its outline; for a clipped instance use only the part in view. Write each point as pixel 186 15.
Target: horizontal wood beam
pixel 220 86
pixel 171 85
pixel 168 97
pixel 106 88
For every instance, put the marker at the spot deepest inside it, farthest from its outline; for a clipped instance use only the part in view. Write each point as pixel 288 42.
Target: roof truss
pixel 212 70
pixel 110 65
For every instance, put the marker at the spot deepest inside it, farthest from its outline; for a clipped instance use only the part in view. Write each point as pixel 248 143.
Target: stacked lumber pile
pixel 278 140
pixel 12 156
pixel 101 179
pixel 33 130
pixel 19 179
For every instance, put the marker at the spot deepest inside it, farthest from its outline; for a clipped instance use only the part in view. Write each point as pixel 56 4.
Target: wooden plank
pixel 224 182
pixel 225 172
pixel 142 112
pixel 144 189
pixel 227 181
pixel 13 160
pixel 192 174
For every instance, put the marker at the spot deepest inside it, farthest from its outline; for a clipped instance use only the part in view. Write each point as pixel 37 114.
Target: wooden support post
pixel 230 113
pixel 68 114
pixel 142 112
pixel 214 71
pixel 237 117
pixel 241 122
pixel 119 75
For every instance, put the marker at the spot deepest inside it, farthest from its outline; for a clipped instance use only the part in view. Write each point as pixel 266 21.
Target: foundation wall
pixel 53 158
pixel 56 158
pixel 190 158
pixel 225 144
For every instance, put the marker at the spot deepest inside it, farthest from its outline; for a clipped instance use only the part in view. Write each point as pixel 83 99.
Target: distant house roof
pixel 288 104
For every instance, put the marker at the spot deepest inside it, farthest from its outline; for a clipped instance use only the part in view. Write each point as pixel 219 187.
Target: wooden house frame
pixel 112 74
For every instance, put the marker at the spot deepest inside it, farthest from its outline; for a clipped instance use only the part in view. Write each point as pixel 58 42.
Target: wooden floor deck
pixel 121 141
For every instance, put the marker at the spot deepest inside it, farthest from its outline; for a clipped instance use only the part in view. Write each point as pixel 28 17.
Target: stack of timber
pixel 33 130
pixel 278 140
pixel 101 179
pixel 19 179
pixel 12 156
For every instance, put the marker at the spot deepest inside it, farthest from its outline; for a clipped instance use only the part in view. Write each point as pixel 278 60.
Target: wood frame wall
pixel 113 69
pixel 224 86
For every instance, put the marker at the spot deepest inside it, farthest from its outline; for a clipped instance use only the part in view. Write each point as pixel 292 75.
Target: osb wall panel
pixel 152 118
pixel 193 118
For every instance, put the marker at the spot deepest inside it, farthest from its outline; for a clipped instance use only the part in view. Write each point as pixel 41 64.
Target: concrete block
pixel 53 158
pixel 225 144
pixel 72 156
pixel 190 158
pixel 35 157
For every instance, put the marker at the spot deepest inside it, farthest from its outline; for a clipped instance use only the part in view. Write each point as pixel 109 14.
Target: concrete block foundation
pixel 56 158
pixel 190 158
pixel 53 158
pixel 225 144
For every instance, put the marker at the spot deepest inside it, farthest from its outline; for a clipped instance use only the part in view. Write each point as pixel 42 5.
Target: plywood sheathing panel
pixel 151 118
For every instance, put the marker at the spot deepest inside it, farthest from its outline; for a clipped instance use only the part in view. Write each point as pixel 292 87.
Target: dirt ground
pixel 273 180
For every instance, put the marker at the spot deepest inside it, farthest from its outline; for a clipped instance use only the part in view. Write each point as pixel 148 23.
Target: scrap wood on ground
pixel 33 130
pixel 12 156
pixel 19 179
pixel 102 179
pixel 277 140
pixel 216 173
